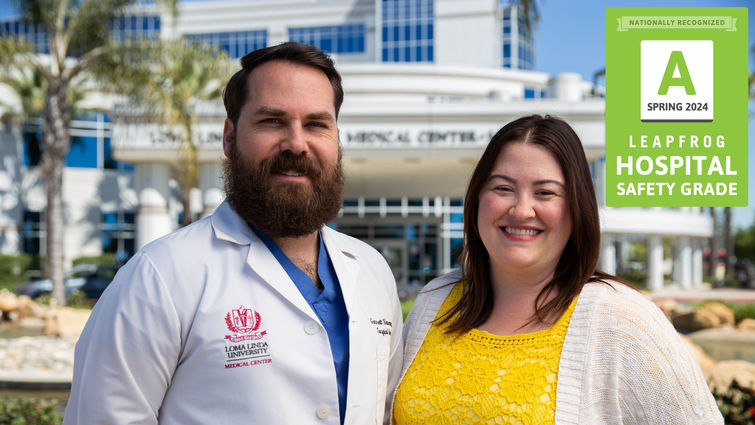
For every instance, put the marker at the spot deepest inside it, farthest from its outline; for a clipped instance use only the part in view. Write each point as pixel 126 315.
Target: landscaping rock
pixel 668 306
pixel 725 314
pixel 696 320
pixel 67 322
pixel 29 309
pixel 719 377
pixel 8 301
pixel 746 324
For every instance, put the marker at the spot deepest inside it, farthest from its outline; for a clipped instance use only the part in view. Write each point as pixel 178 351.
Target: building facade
pixel 427 83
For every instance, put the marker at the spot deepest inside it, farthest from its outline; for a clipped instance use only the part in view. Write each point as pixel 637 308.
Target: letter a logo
pixel 676 62
pixel 676 80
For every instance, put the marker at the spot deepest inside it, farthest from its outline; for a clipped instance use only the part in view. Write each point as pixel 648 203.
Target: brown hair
pixel 579 259
pixel 235 92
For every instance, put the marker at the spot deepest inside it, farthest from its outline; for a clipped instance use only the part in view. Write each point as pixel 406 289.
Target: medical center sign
pixel 676 107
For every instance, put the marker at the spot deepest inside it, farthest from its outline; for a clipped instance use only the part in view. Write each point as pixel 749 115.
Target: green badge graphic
pixel 676 107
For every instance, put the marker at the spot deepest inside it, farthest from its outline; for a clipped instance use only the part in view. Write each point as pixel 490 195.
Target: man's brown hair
pixel 235 92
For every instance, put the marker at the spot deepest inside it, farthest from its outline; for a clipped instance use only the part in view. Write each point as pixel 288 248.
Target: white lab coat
pixel 159 343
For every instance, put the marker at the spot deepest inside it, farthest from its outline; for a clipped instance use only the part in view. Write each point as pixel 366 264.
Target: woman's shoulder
pixel 620 307
pixel 619 329
pixel 614 292
pixel 431 297
pixel 442 281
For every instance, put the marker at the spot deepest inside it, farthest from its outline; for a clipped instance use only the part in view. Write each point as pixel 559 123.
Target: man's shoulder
pixel 349 244
pixel 184 238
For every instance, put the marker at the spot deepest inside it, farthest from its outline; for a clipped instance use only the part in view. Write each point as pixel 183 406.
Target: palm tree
pixel 185 73
pixel 77 29
pixel 30 87
pixel 530 11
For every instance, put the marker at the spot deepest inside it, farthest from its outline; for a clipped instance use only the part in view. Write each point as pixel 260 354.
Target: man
pixel 258 314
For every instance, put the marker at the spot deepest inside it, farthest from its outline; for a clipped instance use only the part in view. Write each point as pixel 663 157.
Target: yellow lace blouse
pixel 479 377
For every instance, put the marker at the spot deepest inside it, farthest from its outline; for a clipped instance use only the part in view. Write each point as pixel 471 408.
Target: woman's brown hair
pixel 579 259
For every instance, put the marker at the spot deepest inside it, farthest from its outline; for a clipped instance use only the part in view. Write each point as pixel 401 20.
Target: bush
pixel 77 299
pixel 737 404
pixel 107 259
pixel 406 305
pixel 29 412
pixel 13 269
pixel 741 310
pixel 638 278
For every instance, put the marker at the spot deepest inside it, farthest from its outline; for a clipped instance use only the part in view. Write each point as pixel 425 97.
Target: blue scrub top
pixel 328 305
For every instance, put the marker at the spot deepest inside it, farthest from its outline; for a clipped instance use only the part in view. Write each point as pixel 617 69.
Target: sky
pixel 570 37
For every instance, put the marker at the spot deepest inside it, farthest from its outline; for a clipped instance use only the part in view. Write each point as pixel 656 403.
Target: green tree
pixel 185 73
pixel 530 11
pixel 30 87
pixel 744 243
pixel 78 36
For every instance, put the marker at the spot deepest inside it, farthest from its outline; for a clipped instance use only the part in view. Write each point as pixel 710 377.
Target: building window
pixel 118 234
pixel 518 45
pixel 121 28
pixel 132 27
pixel 340 39
pixel 33 232
pixel 32 139
pixel 237 44
pixel 533 93
pixel 90 143
pixel 407 31
pixel 32 34
pixel 83 152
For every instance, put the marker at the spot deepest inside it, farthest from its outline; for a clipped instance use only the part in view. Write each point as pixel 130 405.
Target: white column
pixel 153 219
pixel 608 254
pixel 684 254
pixel 676 255
pixel 211 185
pixel 445 238
pixel 11 192
pixel 600 181
pixel 697 262
pixel 655 263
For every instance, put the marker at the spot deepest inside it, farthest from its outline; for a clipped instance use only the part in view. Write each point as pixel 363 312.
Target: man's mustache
pixel 287 162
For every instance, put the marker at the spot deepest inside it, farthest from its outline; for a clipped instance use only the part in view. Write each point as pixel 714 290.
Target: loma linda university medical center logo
pixel 246 346
pixel 676 80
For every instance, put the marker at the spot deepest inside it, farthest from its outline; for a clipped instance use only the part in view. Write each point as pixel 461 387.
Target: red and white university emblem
pixel 244 323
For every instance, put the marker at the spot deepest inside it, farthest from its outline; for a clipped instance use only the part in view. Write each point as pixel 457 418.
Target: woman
pixel 529 331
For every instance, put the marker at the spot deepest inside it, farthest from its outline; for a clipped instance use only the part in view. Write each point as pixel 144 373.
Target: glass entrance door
pixel 394 252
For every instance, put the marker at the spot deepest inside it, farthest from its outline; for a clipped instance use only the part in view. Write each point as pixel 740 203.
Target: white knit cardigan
pixel 622 361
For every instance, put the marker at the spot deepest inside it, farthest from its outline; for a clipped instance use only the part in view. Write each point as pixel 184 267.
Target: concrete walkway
pixel 703 293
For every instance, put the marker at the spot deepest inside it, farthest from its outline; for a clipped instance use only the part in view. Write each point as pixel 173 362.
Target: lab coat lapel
pixel 343 254
pixel 346 266
pixel 229 226
pixel 264 263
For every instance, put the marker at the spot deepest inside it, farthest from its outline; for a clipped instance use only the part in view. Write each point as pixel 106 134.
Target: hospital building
pixel 427 83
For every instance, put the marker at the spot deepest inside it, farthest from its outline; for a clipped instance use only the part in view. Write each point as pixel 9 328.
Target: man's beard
pixel 284 209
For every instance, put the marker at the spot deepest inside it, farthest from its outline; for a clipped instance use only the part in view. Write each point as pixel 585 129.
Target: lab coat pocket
pixel 383 357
